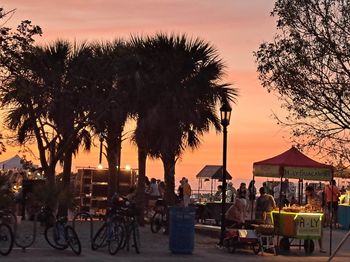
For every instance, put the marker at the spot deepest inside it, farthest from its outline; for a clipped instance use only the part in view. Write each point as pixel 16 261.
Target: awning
pixel 212 172
pixel 293 164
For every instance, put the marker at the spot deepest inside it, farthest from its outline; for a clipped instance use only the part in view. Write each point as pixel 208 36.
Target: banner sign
pixel 308 173
pixel 308 225
pixel 266 170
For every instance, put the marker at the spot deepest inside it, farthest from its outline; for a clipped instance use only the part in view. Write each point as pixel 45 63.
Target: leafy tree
pixel 307 66
pixel 13 44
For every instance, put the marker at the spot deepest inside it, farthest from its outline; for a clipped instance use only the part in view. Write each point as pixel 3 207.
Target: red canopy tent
pixel 293 164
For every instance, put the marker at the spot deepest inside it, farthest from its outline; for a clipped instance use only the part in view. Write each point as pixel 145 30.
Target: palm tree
pixel 178 90
pixel 47 100
pixel 110 60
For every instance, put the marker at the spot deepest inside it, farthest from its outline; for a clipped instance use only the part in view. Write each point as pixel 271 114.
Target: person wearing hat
pixel 186 192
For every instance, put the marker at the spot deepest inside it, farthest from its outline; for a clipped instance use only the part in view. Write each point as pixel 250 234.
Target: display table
pixel 344 216
pixel 210 210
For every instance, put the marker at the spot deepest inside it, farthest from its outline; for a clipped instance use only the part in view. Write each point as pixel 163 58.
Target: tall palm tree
pixel 48 101
pixel 25 96
pixel 178 90
pixel 110 60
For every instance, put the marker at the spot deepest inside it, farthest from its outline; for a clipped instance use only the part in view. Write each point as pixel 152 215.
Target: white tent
pixel 12 163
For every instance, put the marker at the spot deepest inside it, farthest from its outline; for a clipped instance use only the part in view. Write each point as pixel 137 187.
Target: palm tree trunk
pixel 169 178
pixel 49 172
pixel 140 193
pixel 67 168
pixel 113 154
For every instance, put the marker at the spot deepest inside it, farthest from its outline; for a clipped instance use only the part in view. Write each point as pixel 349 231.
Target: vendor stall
pixel 207 207
pixel 209 173
pixel 295 222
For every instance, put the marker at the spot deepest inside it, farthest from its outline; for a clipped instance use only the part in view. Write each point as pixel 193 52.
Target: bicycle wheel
pixel 156 222
pixel 73 240
pixel 54 238
pixel 6 239
pixel 116 239
pixel 136 237
pixel 99 240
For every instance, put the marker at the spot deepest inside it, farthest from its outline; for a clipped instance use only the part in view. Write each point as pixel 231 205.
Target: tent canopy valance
pixel 293 164
pixel 212 172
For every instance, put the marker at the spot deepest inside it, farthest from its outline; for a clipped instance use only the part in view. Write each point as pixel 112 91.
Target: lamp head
pixel 225 113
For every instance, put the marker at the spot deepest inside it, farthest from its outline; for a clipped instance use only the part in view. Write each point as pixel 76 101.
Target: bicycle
pixel 61 236
pixel 131 227
pixel 6 235
pixel 110 234
pixel 159 218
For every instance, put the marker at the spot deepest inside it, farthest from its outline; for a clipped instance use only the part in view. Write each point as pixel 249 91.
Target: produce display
pixel 300 209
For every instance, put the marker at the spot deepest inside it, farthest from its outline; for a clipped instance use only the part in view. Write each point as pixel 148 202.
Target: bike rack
pixel 23 246
pixel 86 216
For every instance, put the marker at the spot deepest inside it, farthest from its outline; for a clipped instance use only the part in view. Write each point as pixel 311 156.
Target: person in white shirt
pixel 154 191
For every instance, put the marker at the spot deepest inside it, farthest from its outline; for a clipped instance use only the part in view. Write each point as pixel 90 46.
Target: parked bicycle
pixel 61 236
pixel 131 228
pixel 6 234
pixel 159 219
pixel 110 233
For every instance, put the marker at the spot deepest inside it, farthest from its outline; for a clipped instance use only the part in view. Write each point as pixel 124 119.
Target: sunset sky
pixel 234 27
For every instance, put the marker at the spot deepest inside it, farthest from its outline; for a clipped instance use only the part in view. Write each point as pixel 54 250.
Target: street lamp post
pixel 225 114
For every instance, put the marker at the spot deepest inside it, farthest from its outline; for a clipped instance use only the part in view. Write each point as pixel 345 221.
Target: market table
pixel 210 210
pixel 344 216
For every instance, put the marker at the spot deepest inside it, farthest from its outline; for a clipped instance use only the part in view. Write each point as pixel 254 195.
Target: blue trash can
pixel 181 230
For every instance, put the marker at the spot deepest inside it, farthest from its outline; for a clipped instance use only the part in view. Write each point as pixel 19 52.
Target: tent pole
pixel 302 190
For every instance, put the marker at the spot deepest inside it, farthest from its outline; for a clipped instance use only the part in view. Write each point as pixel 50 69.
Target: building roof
pixel 12 163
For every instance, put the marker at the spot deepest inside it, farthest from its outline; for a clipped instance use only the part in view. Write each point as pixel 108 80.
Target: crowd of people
pixel 324 200
pixel 155 189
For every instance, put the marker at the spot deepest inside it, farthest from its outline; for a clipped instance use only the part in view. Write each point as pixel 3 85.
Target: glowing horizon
pixel 235 28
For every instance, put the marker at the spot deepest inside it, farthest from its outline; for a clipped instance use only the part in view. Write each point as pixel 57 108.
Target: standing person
pixel 242 191
pixel 161 189
pixel 264 204
pixel 242 194
pixel 147 185
pixel 230 193
pixel 218 194
pixel 284 192
pixel 315 203
pixel 252 190
pixel 332 201
pixel 251 196
pixel 180 191
pixel 187 192
pixel 154 192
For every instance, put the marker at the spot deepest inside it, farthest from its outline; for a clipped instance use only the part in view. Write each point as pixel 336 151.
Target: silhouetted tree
pixel 178 85
pixel 13 44
pixel 111 89
pixel 308 66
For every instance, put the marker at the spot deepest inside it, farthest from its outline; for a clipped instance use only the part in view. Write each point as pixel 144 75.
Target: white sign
pixel 308 225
